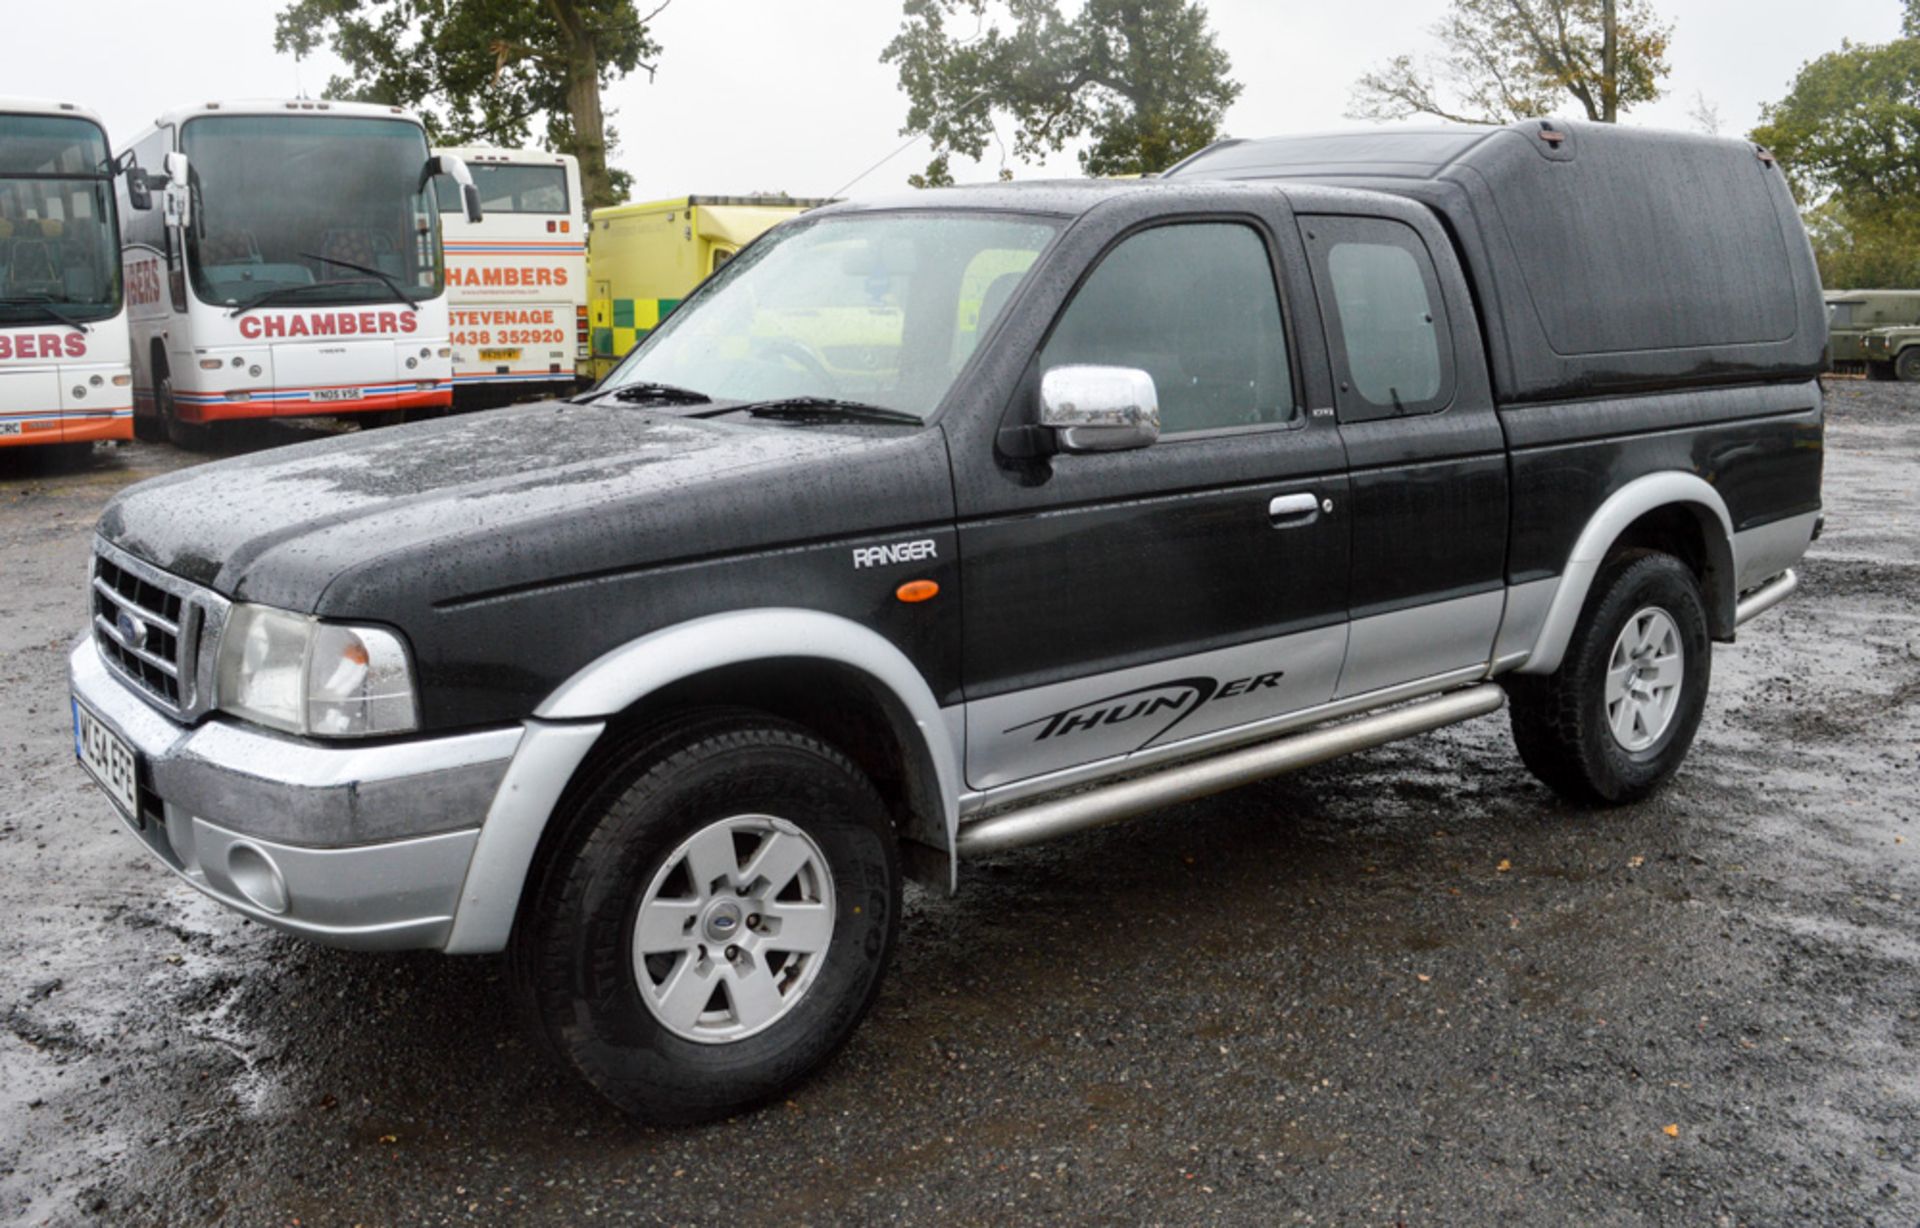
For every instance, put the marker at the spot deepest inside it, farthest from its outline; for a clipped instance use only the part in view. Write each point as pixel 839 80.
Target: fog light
pixel 254 370
pixel 412 363
pixel 96 381
pixel 79 392
pixel 426 353
pixel 237 360
pixel 256 877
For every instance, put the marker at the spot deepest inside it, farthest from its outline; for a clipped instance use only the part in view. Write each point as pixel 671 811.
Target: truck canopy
pixel 1603 259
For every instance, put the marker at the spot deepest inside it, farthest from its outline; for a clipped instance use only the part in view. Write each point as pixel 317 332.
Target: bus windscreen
pixel 59 255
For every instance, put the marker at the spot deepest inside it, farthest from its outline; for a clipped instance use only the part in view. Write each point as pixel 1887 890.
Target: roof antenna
pixel 903 148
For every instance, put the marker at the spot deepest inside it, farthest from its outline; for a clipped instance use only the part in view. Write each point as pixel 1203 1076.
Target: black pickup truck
pixel 932 526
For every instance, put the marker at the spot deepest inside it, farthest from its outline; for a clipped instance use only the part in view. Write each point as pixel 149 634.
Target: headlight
pixel 292 672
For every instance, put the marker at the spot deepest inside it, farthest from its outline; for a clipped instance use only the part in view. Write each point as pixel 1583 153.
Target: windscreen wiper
pixel 826 409
pixel 646 392
pixel 399 291
pixel 50 305
pixel 274 292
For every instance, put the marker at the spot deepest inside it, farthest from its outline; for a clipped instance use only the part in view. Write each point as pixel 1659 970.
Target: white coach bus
pixel 295 269
pixel 64 381
pixel 516 280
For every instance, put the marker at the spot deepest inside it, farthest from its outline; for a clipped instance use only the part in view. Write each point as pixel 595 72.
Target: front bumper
pixel 363 846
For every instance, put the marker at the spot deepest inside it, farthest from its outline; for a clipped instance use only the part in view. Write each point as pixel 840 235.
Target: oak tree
pixel 1503 60
pixel 487 70
pixel 1144 80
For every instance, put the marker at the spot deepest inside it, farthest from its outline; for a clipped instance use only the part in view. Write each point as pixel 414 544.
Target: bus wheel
pixel 194 437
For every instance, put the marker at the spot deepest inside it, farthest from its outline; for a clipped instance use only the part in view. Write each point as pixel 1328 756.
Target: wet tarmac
pixel 1407 988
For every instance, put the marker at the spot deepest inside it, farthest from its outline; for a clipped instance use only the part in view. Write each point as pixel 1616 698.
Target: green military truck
pixel 1854 314
pixel 1893 353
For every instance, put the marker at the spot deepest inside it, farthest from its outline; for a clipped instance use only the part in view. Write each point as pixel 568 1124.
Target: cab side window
pixel 1388 323
pixel 1195 306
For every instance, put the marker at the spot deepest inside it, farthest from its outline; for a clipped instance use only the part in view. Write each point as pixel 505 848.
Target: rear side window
pixel 1194 305
pixel 1385 316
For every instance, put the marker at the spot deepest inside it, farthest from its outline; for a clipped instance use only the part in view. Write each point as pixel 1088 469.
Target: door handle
pixel 1289 511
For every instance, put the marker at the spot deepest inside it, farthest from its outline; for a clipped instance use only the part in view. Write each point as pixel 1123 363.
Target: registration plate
pixel 499 355
pixel 9 428
pixel 107 758
pixel 338 394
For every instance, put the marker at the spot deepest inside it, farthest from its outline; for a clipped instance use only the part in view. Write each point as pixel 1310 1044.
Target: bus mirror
pixel 139 192
pixel 456 170
pixel 176 198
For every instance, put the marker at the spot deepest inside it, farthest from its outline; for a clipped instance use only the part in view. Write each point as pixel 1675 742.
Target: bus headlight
pixel 298 674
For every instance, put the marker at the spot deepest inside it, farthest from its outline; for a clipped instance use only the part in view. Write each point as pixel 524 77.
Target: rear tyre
pixel 715 920
pixel 194 437
pixel 1617 718
pixel 1907 366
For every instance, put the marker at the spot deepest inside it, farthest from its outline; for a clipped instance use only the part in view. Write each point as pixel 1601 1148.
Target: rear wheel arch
pixel 1671 512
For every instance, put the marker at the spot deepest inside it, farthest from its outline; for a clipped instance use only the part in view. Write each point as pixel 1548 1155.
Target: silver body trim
pixel 393 896
pixel 1768 595
pixel 1119 714
pixel 1385 650
pixel 622 677
pixel 976 802
pixel 489 895
pixel 298 792
pixel 1096 807
pixel 1762 553
pixel 1604 527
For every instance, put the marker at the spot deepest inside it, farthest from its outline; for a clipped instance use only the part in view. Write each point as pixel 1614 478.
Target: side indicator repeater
pixel 915 591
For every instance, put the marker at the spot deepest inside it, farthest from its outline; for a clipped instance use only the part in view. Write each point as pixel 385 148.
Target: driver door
pixel 1118 603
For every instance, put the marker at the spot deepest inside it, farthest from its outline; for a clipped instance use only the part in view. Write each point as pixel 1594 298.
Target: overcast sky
pixel 789 95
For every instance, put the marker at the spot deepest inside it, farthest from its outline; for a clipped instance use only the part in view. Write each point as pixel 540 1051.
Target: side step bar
pixel 1109 803
pixel 1764 598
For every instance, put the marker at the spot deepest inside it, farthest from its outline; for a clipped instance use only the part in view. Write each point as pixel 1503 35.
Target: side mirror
pixel 456 170
pixel 178 197
pixel 1100 409
pixel 139 191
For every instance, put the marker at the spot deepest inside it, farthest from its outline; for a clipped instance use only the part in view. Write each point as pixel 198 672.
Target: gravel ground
pixel 1408 988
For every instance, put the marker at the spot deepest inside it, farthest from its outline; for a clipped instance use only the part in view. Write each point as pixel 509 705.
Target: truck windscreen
pixel 310 210
pixel 59 254
pixel 883 309
pixel 507 187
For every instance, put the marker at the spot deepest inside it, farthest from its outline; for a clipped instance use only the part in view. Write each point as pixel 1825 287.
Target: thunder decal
pixel 1175 701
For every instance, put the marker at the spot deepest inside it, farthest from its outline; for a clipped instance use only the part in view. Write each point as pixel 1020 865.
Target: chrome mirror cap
pixel 1100 409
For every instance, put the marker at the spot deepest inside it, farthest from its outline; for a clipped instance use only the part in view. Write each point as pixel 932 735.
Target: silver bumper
pixel 354 846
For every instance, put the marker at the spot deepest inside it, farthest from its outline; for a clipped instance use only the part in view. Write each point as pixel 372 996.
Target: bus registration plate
pixel 338 394
pixel 499 355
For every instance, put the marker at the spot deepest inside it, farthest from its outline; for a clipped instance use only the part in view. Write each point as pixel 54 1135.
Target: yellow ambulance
pixel 643 258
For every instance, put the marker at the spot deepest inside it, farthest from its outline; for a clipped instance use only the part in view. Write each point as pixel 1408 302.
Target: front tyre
pixel 1907 366
pixel 1617 718
pixel 716 922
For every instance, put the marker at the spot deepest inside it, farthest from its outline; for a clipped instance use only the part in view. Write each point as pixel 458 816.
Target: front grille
pixel 151 628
